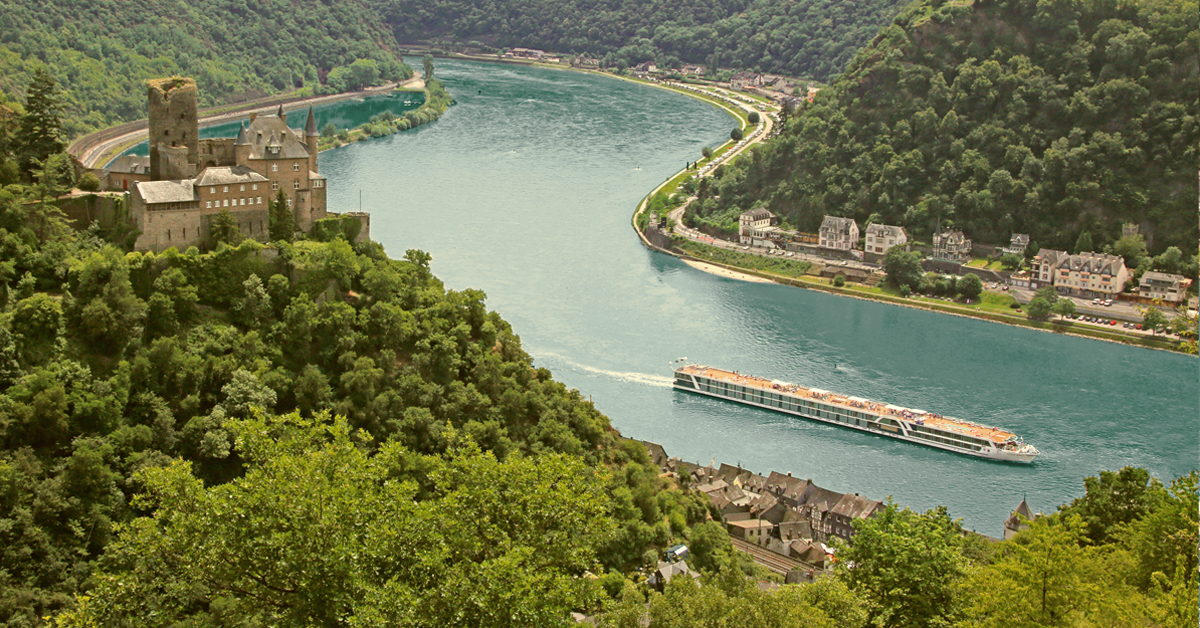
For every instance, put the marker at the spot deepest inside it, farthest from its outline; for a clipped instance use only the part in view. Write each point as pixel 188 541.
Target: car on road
pixel 1108 302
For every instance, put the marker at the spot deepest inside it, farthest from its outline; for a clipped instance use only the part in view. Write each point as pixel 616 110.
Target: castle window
pixel 260 200
pixel 242 189
pixel 226 189
pixel 274 167
pixel 208 204
pixel 254 187
pixel 212 190
pixel 295 166
pixel 295 185
pixel 225 203
pixel 289 202
pixel 274 185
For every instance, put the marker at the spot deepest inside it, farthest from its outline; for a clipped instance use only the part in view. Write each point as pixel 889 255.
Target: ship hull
pixel 992 453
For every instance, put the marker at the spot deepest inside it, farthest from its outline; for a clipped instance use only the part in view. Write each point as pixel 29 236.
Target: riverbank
pixel 98 148
pixel 722 271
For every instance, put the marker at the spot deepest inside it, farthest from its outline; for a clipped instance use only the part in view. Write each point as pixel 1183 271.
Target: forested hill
pixel 809 38
pixel 1053 118
pixel 100 52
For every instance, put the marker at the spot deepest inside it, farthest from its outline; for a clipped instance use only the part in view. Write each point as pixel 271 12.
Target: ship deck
pixel 986 432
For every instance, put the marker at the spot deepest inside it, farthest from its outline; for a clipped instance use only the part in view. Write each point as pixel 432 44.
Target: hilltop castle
pixel 192 179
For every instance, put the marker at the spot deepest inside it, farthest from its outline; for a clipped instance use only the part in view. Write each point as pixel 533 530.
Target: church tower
pixel 174 128
pixel 312 137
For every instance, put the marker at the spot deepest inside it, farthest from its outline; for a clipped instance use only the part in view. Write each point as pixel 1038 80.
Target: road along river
pixel 524 190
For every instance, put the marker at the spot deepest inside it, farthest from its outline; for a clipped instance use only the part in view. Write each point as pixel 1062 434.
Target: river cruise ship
pixel 917 426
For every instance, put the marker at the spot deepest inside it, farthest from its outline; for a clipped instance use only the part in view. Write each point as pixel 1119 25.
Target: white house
pixel 880 238
pixel 838 233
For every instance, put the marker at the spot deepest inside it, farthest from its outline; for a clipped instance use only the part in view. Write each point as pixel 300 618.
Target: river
pixel 524 190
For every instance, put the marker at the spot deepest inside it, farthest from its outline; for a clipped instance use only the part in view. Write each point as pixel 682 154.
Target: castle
pixel 192 179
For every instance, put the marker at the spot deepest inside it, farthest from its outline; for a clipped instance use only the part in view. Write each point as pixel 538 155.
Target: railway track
pixel 775 562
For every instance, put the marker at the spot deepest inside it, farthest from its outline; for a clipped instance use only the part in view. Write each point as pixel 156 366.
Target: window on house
pixel 168 235
pixel 295 185
pixel 274 185
pixel 208 204
pixel 274 167
pixel 225 203
pixel 260 200
pixel 242 189
pixel 289 202
pixel 295 166
pixel 242 202
pixel 254 187
pixel 212 190
pixel 226 189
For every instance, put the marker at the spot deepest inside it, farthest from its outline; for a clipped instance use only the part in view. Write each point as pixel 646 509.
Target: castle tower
pixel 174 122
pixel 281 114
pixel 241 148
pixel 312 137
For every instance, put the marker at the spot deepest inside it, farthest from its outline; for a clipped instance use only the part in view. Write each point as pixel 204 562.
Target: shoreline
pixel 721 271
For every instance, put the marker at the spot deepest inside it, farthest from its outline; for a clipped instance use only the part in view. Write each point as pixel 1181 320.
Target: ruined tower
pixel 174 128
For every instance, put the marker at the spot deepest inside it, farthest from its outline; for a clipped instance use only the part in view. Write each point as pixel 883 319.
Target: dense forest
pixel 100 52
pixel 805 38
pixel 1057 119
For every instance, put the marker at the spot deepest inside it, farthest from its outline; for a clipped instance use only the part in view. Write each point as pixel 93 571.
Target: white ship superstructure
pixel 917 426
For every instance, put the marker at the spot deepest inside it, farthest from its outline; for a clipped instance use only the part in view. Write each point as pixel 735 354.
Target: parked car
pixel 1095 301
pixel 1113 323
pixel 1108 302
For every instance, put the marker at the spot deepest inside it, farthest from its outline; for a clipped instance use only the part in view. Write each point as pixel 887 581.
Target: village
pixel 787 524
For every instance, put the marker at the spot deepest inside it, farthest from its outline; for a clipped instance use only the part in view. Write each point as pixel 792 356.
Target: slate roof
pixel 226 175
pixel 759 213
pixel 273 131
pixel 837 224
pixel 310 125
pixel 1092 263
pixel 1014 520
pixel 884 231
pixel 1019 239
pixel 1163 279
pixel 180 191
pixel 853 506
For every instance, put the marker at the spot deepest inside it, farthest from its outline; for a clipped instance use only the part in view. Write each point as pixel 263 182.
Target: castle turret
pixel 241 148
pixel 281 114
pixel 312 137
pixel 174 123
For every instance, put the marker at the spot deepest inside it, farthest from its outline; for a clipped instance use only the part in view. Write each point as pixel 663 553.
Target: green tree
pixel 328 131
pixel 969 286
pixel 1084 243
pixel 753 117
pixel 317 532
pixel 363 74
pixel 736 134
pixel 36 325
pixel 1164 537
pixel 907 565
pixel 902 268
pixel 1132 248
pixel 1011 261
pixel 1038 308
pixel 706 152
pixel 1153 319
pixel 40 132
pixel 1063 307
pixel 281 225
pixel 1048 294
pixel 1113 500
pixel 224 228
pixel 1046 578
pixel 427 66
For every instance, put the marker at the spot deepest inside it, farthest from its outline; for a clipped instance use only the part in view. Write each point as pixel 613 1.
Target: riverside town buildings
pixel 1088 275
pixel 756 225
pixel 880 238
pixel 838 233
pixel 192 180
pixel 1164 287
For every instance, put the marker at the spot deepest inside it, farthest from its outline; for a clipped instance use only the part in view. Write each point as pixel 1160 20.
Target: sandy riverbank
pixel 725 272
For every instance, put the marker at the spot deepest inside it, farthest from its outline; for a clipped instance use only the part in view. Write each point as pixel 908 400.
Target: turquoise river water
pixel 524 190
